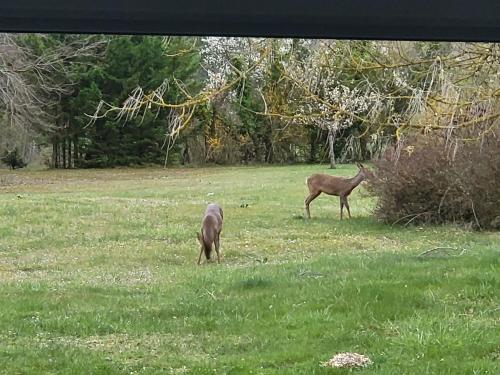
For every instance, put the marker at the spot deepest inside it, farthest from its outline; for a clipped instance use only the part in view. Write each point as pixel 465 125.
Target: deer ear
pixel 359 165
pixel 200 238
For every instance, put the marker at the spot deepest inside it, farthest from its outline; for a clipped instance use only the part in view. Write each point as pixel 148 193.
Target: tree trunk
pixel 64 153
pixel 58 154
pixel 211 133
pixel 268 143
pixel 185 157
pixel 213 123
pixel 331 141
pixel 54 154
pixel 70 163
pixel 313 144
pixel 75 151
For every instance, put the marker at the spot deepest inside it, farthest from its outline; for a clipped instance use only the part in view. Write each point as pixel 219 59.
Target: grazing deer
pixel 331 185
pixel 211 226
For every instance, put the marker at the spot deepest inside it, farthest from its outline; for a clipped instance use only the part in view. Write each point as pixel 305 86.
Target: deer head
pixel 365 172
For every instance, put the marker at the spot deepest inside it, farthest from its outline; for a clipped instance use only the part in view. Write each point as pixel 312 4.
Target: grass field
pixel 98 276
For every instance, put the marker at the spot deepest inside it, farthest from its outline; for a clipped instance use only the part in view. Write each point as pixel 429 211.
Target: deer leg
pixel 346 204
pixel 199 258
pixel 217 245
pixel 343 202
pixel 308 200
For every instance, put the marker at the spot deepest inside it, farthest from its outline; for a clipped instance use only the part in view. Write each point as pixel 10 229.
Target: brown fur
pixel 211 226
pixel 332 185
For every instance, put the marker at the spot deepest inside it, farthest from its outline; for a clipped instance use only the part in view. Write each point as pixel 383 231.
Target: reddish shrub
pixel 430 182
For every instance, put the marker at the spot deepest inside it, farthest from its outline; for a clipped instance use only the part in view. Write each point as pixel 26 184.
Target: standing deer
pixel 211 226
pixel 331 185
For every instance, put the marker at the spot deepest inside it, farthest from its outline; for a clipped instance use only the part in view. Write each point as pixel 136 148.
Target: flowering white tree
pixel 219 57
pixel 324 95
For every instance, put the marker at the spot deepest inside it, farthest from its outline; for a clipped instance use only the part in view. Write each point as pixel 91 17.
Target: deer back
pixel 327 184
pixel 212 220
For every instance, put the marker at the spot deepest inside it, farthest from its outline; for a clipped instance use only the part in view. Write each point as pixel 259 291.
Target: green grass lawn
pixel 98 276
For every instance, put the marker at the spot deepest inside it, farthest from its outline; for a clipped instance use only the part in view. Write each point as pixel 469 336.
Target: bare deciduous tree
pixel 32 84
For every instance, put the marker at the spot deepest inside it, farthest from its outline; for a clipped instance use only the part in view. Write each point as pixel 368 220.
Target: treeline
pixel 126 63
pixel 101 101
pixel 109 69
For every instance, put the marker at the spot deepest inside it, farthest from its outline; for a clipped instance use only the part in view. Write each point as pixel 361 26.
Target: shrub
pixel 429 181
pixel 13 159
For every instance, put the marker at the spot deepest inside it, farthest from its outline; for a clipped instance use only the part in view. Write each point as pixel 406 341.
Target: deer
pixel 332 185
pixel 211 226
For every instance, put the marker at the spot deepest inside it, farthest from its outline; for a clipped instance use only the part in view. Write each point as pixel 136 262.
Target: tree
pixel 34 76
pixel 132 63
pixel 13 159
pixel 368 93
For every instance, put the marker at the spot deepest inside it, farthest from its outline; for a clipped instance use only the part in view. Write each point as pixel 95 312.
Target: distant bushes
pixel 13 159
pixel 430 181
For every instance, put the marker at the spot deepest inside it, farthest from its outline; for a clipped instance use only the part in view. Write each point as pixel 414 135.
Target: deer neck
pixel 356 180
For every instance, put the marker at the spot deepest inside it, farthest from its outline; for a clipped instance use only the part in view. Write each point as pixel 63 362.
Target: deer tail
pixel 308 181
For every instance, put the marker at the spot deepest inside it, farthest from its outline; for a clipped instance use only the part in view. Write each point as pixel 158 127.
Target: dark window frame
pixel 446 20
